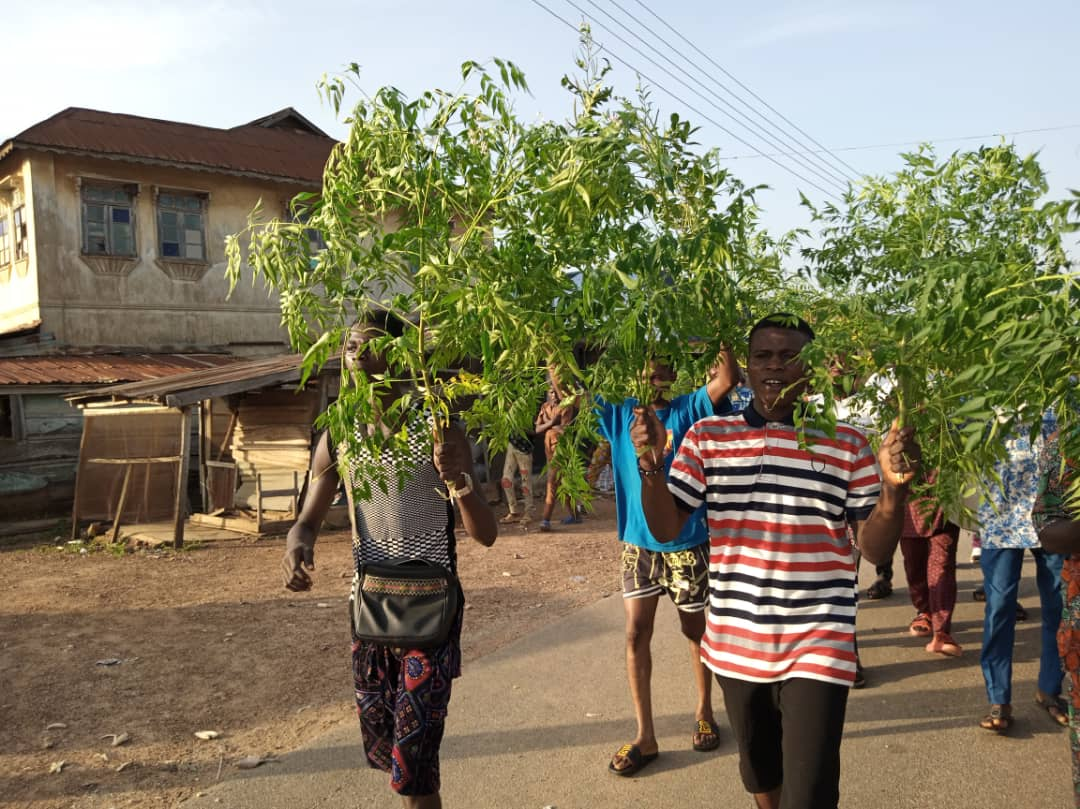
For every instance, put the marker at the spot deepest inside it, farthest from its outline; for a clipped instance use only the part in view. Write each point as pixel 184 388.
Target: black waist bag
pixel 410 603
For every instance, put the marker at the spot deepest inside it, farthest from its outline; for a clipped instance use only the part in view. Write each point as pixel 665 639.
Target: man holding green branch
pixel 781 613
pixel 651 568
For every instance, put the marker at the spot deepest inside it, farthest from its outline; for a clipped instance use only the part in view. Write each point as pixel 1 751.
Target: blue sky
pixel 848 72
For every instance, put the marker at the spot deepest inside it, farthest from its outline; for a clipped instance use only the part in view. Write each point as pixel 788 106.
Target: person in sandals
pixel 519 460
pixel 1058 522
pixel 1006 532
pixel 551 422
pixel 928 545
pixel 652 569
pixel 402 694
pixel 781 608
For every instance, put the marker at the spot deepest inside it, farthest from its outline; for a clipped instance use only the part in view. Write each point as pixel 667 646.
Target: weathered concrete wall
pixel 18 280
pixel 147 308
pixel 48 446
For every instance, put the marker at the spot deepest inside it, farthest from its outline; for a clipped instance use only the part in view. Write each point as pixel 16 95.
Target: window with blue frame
pixel 108 219
pixel 182 226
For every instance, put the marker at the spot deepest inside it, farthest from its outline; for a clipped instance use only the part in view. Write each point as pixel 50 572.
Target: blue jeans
pixel 1001 578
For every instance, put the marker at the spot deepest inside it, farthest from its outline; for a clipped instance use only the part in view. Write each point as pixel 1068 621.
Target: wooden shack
pixel 245 428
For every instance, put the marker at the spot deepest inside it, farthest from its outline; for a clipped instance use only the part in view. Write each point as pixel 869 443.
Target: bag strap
pixel 347 478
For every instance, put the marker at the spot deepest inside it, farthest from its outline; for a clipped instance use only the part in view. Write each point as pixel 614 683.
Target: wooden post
pixel 122 503
pixel 204 442
pixel 182 465
pixel 296 493
pixel 228 436
pixel 80 468
pixel 144 504
pixel 258 503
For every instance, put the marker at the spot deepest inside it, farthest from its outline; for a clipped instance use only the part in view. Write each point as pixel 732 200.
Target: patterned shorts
pixel 683 575
pixel 401 699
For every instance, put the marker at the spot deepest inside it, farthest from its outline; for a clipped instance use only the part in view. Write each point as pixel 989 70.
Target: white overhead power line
pixel 693 108
pixel 798 145
pixel 828 175
pixel 870 147
pixel 719 67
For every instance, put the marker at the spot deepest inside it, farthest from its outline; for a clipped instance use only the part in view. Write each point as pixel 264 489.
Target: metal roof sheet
pixel 251 149
pixel 102 369
pixel 180 390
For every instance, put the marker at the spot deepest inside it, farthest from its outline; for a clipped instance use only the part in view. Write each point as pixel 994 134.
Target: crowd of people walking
pixel 753 533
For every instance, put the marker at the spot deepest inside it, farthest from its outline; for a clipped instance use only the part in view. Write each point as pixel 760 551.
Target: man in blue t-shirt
pixel 651 568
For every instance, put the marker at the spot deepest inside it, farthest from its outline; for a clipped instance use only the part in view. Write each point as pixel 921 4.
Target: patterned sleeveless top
pixel 411 522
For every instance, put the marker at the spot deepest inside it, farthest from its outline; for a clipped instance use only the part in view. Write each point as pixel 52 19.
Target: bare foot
pixel 943 644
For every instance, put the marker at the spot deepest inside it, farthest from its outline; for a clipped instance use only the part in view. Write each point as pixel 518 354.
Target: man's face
pixel 357 355
pixel 775 373
pixel 660 376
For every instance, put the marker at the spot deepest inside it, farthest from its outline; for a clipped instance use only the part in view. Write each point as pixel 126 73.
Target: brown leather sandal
pixel 999 720
pixel 1056 708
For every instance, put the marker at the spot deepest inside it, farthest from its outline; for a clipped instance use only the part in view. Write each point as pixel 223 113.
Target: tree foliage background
pixel 942 295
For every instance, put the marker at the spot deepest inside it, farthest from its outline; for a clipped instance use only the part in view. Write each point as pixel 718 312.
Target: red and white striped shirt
pixel 781 570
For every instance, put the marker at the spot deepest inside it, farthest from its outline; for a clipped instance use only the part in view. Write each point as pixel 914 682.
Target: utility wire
pixel 828 175
pixel 918 142
pixel 691 107
pixel 747 89
pixel 797 146
pixel 687 104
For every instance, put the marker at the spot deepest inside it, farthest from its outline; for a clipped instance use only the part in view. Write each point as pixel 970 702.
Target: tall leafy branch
pixel 951 301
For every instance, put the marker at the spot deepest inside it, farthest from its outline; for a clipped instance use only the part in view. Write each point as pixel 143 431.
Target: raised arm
pixel 663 515
pixel 546 418
pixel 898 459
pixel 453 460
pixel 300 542
pixel 723 376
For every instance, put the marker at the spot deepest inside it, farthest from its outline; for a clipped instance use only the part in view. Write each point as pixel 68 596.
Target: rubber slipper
pixel 710 733
pixel 632 753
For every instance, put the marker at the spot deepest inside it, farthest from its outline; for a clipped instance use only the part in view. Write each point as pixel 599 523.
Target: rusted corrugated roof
pixel 180 390
pixel 102 369
pixel 252 149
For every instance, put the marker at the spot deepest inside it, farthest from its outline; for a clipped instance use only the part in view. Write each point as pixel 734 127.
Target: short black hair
pixel 388 321
pixel 783 320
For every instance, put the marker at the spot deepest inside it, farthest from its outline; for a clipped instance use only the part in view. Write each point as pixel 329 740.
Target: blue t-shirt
pixel 615 424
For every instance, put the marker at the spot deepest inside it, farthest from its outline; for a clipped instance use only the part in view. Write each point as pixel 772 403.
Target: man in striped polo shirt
pixel 780 625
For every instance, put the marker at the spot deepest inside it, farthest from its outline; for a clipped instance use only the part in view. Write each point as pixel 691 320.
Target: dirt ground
pixel 159 645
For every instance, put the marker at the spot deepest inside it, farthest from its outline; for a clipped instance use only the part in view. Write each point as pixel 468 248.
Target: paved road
pixel 533 726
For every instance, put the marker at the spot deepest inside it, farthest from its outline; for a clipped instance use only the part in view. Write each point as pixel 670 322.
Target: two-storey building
pixel 112 263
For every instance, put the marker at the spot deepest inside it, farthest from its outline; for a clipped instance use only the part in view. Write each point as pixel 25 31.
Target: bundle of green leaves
pixel 947 287
pixel 513 249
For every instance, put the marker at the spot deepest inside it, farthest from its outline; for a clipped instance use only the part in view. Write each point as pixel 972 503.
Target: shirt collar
pixel 755 419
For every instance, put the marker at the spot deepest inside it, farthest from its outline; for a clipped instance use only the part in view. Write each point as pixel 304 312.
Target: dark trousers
pixel 789 735
pixel 930 566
